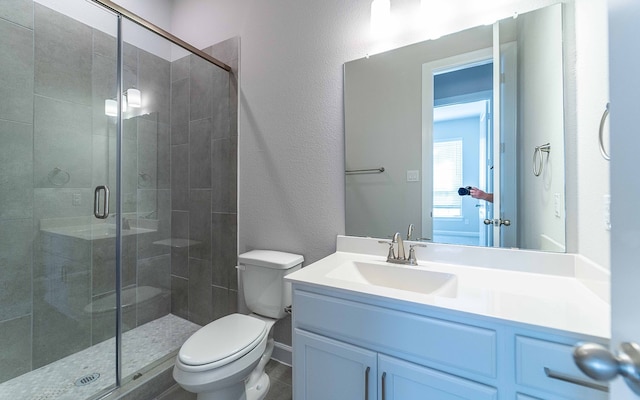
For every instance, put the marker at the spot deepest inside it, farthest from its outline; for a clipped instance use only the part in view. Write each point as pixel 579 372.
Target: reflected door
pixel 460 141
pixel 472 144
pixel 508 172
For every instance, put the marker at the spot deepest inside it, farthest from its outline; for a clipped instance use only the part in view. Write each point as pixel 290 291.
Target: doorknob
pixel 497 222
pixel 597 362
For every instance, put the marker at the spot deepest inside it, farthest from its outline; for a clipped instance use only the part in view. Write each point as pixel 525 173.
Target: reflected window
pixel 447 164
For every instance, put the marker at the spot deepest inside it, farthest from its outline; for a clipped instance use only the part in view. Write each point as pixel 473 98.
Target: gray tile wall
pixel 179 169
pixel 203 186
pixel 16 186
pixel 55 74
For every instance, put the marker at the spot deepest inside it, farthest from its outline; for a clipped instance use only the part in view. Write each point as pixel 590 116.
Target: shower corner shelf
pixel 177 243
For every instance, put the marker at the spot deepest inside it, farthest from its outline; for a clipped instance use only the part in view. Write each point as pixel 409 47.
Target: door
pixel 402 380
pixel 508 144
pixel 329 369
pixel 457 93
pixel 57 260
pixel 457 89
pixel 624 82
pixel 504 165
pixel 624 64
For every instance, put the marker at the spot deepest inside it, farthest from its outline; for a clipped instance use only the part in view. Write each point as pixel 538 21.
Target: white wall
pixel 158 12
pixel 540 120
pixel 291 119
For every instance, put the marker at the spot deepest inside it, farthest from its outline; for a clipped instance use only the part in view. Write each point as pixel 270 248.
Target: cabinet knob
pixel 598 363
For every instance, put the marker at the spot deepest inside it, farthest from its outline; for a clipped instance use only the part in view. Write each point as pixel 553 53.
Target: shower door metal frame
pixel 123 12
pixel 119 92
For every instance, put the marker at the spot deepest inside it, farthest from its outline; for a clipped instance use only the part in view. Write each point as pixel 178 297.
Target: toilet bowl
pixel 225 359
pixel 219 358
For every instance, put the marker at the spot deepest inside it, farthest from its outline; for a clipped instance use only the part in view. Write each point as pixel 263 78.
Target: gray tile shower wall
pixel 179 171
pixel 55 74
pixel 16 187
pixel 203 186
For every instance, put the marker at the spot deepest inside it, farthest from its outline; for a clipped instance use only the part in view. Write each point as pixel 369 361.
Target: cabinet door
pixel 401 380
pixel 327 369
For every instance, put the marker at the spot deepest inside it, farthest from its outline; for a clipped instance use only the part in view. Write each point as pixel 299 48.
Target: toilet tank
pixel 262 272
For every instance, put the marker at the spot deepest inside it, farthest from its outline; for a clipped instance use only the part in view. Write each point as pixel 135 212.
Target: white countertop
pixel 560 292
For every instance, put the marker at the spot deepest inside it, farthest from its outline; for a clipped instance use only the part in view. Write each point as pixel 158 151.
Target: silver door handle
pixel 105 202
pixel 384 385
pixel 604 153
pixel 598 363
pixel 497 222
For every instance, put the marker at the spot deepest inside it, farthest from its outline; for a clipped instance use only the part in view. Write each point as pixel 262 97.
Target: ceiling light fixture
pixel 380 16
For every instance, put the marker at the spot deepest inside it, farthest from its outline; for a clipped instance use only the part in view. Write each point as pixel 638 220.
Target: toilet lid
pixel 229 337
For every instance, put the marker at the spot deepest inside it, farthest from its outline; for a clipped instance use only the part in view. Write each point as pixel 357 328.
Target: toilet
pixel 225 359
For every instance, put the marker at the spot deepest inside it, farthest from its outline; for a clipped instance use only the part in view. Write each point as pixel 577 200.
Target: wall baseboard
pixel 282 353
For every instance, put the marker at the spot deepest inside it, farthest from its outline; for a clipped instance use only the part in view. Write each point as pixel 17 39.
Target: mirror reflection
pixel 462 136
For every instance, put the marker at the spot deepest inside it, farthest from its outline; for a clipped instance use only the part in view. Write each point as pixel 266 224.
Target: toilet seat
pixel 222 341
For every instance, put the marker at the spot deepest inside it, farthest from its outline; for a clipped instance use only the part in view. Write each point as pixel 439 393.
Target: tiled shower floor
pixel 140 347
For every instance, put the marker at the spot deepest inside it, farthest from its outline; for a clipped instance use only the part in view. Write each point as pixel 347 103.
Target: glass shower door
pixel 57 261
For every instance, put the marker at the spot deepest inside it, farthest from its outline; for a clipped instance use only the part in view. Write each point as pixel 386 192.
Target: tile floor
pixel 279 374
pixel 140 347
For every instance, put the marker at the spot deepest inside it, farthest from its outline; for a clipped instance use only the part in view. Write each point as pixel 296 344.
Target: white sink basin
pixel 400 277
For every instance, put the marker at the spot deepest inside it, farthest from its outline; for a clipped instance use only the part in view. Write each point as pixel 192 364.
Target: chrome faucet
pixel 410 231
pixel 400 258
pixel 398 239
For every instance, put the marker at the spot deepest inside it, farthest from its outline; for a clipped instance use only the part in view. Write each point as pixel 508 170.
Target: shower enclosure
pixel 118 152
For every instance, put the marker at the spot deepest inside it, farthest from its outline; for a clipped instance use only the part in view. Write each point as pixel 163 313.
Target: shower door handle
pixel 105 202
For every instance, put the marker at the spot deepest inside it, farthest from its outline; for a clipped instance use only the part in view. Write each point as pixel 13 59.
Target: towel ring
pixel 538 158
pixel 604 153
pixel 57 179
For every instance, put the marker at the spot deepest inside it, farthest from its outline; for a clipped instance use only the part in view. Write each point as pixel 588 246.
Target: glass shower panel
pixel 168 152
pixel 146 201
pixel 57 261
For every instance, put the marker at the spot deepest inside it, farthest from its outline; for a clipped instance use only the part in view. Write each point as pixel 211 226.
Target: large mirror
pixel 483 108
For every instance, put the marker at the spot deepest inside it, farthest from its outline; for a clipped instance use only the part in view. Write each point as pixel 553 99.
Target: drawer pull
pixel 366 383
pixel 567 378
pixel 384 386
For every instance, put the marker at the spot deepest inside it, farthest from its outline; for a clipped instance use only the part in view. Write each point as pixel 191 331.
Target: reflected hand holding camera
pixel 476 193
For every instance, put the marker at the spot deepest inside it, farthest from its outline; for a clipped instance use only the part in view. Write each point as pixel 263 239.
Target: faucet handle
pixel 412 253
pixel 391 254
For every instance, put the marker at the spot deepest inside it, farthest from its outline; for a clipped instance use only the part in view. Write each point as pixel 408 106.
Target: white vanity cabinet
pixel 353 346
pixel 330 369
